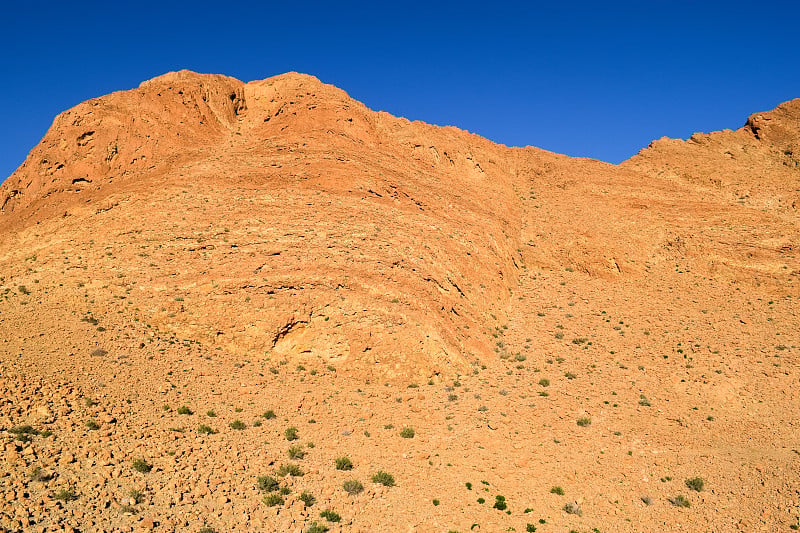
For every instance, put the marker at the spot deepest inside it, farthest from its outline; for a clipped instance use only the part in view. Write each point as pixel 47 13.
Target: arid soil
pixel 206 285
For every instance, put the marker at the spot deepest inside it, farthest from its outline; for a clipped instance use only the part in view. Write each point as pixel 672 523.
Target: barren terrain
pixel 207 284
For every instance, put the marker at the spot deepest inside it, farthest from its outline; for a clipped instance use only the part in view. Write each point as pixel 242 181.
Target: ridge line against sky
pixel 578 78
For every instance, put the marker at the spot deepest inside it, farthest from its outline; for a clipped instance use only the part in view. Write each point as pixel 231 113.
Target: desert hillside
pixel 208 285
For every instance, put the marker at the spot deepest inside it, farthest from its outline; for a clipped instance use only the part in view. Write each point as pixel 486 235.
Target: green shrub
pixel 237 425
pixel 695 483
pixel 291 433
pixel 557 490
pixel 205 430
pixel 296 452
pixel 384 478
pixel 211 413
pixel 500 503
pixel 343 463
pixel 290 469
pixel 91 425
pixel 544 382
pixel 183 410
pixel 140 465
pixel 330 515
pixel 307 498
pixel 353 487
pixel 407 433
pixel 584 421
pixel 267 483
pixel 272 499
pixel 269 415
pixel 679 501
pixel 316 527
pixel 65 495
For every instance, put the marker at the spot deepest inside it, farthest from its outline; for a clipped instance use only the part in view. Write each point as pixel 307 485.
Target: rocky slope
pixel 540 321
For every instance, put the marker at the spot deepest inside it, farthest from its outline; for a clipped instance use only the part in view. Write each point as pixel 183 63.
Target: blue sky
pixel 593 79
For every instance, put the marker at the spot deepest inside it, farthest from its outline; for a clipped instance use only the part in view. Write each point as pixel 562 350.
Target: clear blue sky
pixel 596 79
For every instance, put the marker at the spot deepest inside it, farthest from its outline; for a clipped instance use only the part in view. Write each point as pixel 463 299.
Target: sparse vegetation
pixel 353 487
pixel 316 527
pixel 272 499
pixel 269 415
pixel 384 478
pixel 140 465
pixel 584 421
pixel 290 469
pixel 557 490
pixel 307 498
pixel 40 475
pixel 500 503
pixel 407 433
pixel 205 430
pixel 237 425
pixel 291 433
pixel 695 483
pixel 330 515
pixel 296 452
pixel 267 483
pixel 65 495
pixel 679 501
pixel 183 410
pixel 343 463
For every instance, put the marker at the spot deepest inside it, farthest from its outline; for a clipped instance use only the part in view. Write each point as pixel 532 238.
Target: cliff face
pixel 282 217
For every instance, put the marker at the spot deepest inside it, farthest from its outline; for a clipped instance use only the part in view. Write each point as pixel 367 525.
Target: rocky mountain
pixel 237 248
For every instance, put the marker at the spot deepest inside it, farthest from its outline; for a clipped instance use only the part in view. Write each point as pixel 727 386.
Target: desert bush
pixel 140 465
pixel 330 515
pixel 291 433
pixel 407 433
pixel 296 452
pixel 353 487
pixel 267 483
pixel 500 503
pixel 290 469
pixel 679 501
pixel 307 498
pixel 343 463
pixel 384 478
pixel 272 499
pixel 65 495
pixel 695 483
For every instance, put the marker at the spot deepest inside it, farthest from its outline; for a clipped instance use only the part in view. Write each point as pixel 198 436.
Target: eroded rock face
pixel 300 222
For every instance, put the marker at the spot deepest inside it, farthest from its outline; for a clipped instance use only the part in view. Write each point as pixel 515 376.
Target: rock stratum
pixel 540 321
